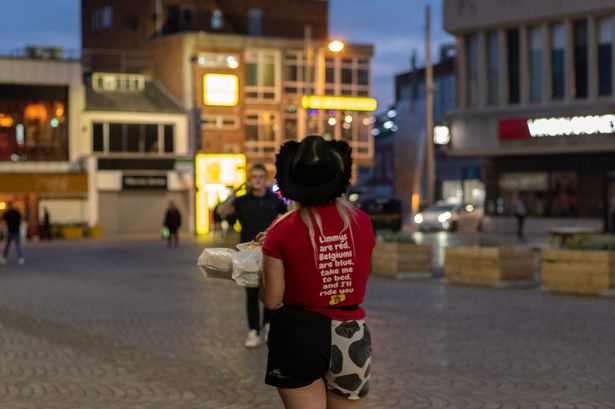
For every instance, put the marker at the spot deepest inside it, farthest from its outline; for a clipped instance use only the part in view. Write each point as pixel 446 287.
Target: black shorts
pixel 305 346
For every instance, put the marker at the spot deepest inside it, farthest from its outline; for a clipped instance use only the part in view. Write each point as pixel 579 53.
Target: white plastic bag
pixel 216 263
pixel 247 265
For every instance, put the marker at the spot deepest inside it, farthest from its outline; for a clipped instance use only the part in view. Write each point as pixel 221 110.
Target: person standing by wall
pixel 172 221
pixel 12 218
pixel 520 214
pixel 46 226
pixel 255 211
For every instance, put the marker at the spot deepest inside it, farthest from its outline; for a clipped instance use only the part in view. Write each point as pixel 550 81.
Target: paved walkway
pixel 111 324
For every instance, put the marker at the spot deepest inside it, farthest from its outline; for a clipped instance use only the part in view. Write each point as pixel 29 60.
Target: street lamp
pixel 336 46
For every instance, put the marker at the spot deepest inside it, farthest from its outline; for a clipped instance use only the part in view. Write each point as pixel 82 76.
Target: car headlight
pixel 444 217
pixel 418 219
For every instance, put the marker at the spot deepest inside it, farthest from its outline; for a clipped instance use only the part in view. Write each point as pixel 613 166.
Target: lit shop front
pixel 562 166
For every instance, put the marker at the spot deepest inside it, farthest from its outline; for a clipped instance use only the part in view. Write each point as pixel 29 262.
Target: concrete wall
pixel 464 15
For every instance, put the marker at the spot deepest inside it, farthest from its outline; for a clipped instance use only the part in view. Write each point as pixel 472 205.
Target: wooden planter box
pixel 488 266
pixel 578 271
pixel 72 232
pixel 401 260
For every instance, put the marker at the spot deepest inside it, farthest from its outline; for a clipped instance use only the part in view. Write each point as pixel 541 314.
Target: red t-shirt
pixel 333 274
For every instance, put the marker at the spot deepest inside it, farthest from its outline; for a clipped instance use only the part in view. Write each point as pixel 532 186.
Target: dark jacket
pixel 13 220
pixel 173 219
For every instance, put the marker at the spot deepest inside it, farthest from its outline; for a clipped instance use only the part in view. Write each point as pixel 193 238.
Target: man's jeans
pixel 17 239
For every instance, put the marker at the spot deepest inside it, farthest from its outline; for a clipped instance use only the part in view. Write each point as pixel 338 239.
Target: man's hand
pixel 260 237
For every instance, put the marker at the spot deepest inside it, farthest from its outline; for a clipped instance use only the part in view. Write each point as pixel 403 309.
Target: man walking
pixel 172 221
pixel 12 218
pixel 255 211
pixel 520 214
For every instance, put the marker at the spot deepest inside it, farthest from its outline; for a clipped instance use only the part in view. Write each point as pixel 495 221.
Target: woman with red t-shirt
pixel 315 268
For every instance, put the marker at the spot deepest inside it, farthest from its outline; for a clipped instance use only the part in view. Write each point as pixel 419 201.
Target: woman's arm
pixel 272 283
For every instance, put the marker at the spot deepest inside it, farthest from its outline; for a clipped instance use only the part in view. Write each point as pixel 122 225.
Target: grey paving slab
pixel 130 324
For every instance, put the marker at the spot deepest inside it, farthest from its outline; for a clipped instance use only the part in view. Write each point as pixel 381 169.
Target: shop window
pixel 536 81
pixel 150 138
pixel 605 56
pixel 116 138
pixel 514 66
pixel 558 47
pixel 580 58
pixel 493 68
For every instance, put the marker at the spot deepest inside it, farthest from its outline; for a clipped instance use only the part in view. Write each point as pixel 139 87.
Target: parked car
pixel 444 216
pixel 384 211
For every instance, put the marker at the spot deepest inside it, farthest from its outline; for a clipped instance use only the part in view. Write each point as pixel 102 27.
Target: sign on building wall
pixel 144 182
pixel 536 128
pixel 221 90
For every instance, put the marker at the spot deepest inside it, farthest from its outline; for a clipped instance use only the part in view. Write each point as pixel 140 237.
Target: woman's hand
pixel 260 238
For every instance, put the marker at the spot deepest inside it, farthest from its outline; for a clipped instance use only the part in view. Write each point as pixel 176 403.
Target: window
pixel 262 75
pixel 219 122
pixel 102 18
pixel 558 47
pixel 536 80
pixel 493 66
pixel 262 132
pixel 172 23
pixel 97 138
pixel 514 66
pixel 472 69
pixel 217 19
pixel 133 138
pixel 295 74
pixel 290 128
pixel 255 22
pixel 347 76
pixel 605 56
pixel 580 58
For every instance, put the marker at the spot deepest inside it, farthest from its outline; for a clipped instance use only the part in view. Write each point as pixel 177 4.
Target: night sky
pixel 394 27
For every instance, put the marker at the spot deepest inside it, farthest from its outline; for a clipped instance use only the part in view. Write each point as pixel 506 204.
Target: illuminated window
pixel 221 90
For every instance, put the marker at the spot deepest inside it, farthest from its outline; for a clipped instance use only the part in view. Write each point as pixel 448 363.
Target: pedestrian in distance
pixel 172 221
pixel 255 212
pixel 316 261
pixel 12 218
pixel 520 214
pixel 46 225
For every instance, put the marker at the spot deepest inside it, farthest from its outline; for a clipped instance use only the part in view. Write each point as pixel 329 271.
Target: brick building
pixel 242 67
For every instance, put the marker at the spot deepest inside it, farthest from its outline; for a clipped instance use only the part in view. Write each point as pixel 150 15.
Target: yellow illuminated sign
pixel 339 103
pixel 216 175
pixel 221 90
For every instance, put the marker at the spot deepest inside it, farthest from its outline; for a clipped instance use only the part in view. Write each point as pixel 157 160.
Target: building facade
pixel 242 68
pixel 137 154
pixel 40 147
pixel 535 101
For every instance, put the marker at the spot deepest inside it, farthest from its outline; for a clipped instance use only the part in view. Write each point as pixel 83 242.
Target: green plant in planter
pixel 398 238
pixel 594 242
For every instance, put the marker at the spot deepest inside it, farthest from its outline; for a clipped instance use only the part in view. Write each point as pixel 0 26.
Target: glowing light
pixel 353 197
pixel 388 124
pixel 391 113
pixel 6 121
pixel 395 128
pixel 346 125
pixel 348 118
pixel 366 121
pixel 375 132
pixel 444 217
pixel 418 219
pixel 19 134
pixel 215 174
pixel 441 135
pixel 231 62
pixel 221 90
pixel 332 121
pixel 416 201
pixel 339 103
pixel 2 205
pixel 576 125
pixel 336 46
pixel 54 122
pixel 469 208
